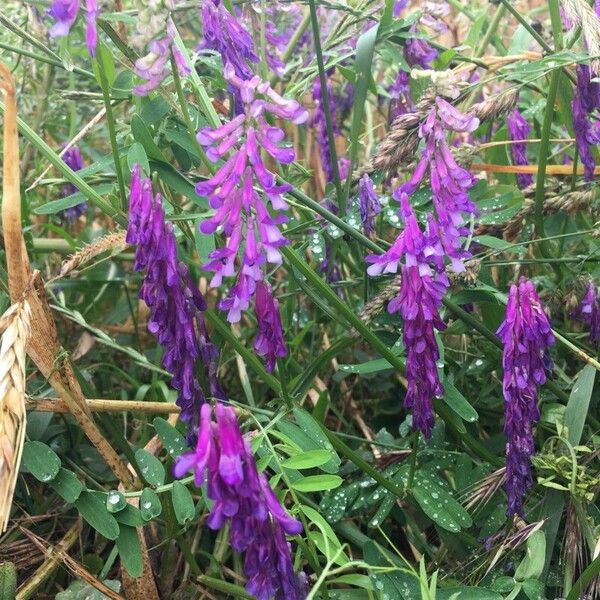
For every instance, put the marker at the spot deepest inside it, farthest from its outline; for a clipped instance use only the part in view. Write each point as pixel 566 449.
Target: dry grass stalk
pixel 480 494
pixel 570 203
pixel 44 347
pixel 15 328
pixel 402 141
pixel 580 13
pixel 111 241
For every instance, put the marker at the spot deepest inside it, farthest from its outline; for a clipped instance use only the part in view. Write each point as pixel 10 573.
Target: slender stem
pixel 326 108
pixel 186 115
pixel 110 120
pixel 491 30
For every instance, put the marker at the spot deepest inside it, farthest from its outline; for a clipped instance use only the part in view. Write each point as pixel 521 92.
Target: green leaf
pixel 317 483
pixel 172 440
pixel 492 242
pixel 41 461
pixel 122 86
pixel 176 181
pixel 142 135
pixel 439 505
pixel 532 564
pixel 82 590
pixel 205 243
pixel 183 503
pixel 365 47
pixel 92 508
pixel 66 485
pixel 534 589
pixel 50 208
pixel 137 156
pixel 115 501
pixel 128 544
pixel 307 460
pixel 579 402
pixel 396 582
pixel 466 593
pixel 313 431
pixel 131 516
pixel 152 469
pixel 150 506
pixel 458 403
pixel 8 580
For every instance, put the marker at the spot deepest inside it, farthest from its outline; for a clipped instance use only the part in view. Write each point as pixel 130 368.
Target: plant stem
pixel 326 108
pixel 110 120
pixel 534 34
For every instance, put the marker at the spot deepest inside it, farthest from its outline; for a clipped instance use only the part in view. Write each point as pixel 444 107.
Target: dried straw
pixel 580 13
pixel 108 242
pixel 15 328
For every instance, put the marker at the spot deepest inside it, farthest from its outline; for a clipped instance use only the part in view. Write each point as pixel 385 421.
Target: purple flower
pixel 251 231
pixel 527 335
pixel 418 52
pixel 320 124
pixel 175 304
pixel 279 27
pixel 270 341
pixel 64 12
pixel 518 129
pixel 225 34
pixel 74 160
pixel 242 497
pixel 586 101
pixel 399 6
pixel 91 31
pixel 369 204
pixel 589 311
pixel 155 33
pixel 401 101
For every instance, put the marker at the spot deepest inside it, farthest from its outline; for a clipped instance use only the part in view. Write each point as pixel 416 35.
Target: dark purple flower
pixel 270 341
pixel 175 304
pixel 586 102
pixel 91 31
pixel 74 160
pixel 401 101
pixel 64 12
pixel 242 497
pixel 518 129
pixel 251 231
pixel 281 22
pixel 526 334
pixel 319 122
pixel 589 311
pixel 419 52
pixel 369 204
pixel 224 34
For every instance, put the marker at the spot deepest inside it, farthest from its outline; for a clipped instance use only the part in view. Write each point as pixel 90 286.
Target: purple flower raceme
pixel 282 21
pixel 526 335
pixel 518 130
pixel 450 184
pixel 224 34
pixel 91 30
pixel 368 204
pixel 586 102
pixel 423 284
pixel 589 311
pixel 270 341
pixel 242 497
pixel 241 212
pixel 155 33
pixel 74 159
pixel 319 122
pixel 176 305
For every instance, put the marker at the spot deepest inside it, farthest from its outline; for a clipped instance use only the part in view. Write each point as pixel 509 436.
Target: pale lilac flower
pixel 176 305
pixel 368 204
pixel 242 497
pixel 73 158
pixel 252 233
pixel 518 129
pixel 155 34
pixel 526 334
pixel 64 12
pixel 589 311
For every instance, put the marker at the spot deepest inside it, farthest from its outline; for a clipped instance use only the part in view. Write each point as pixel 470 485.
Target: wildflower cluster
pixel 242 498
pixel 176 305
pixel 241 212
pixel 526 335
pixel 65 12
